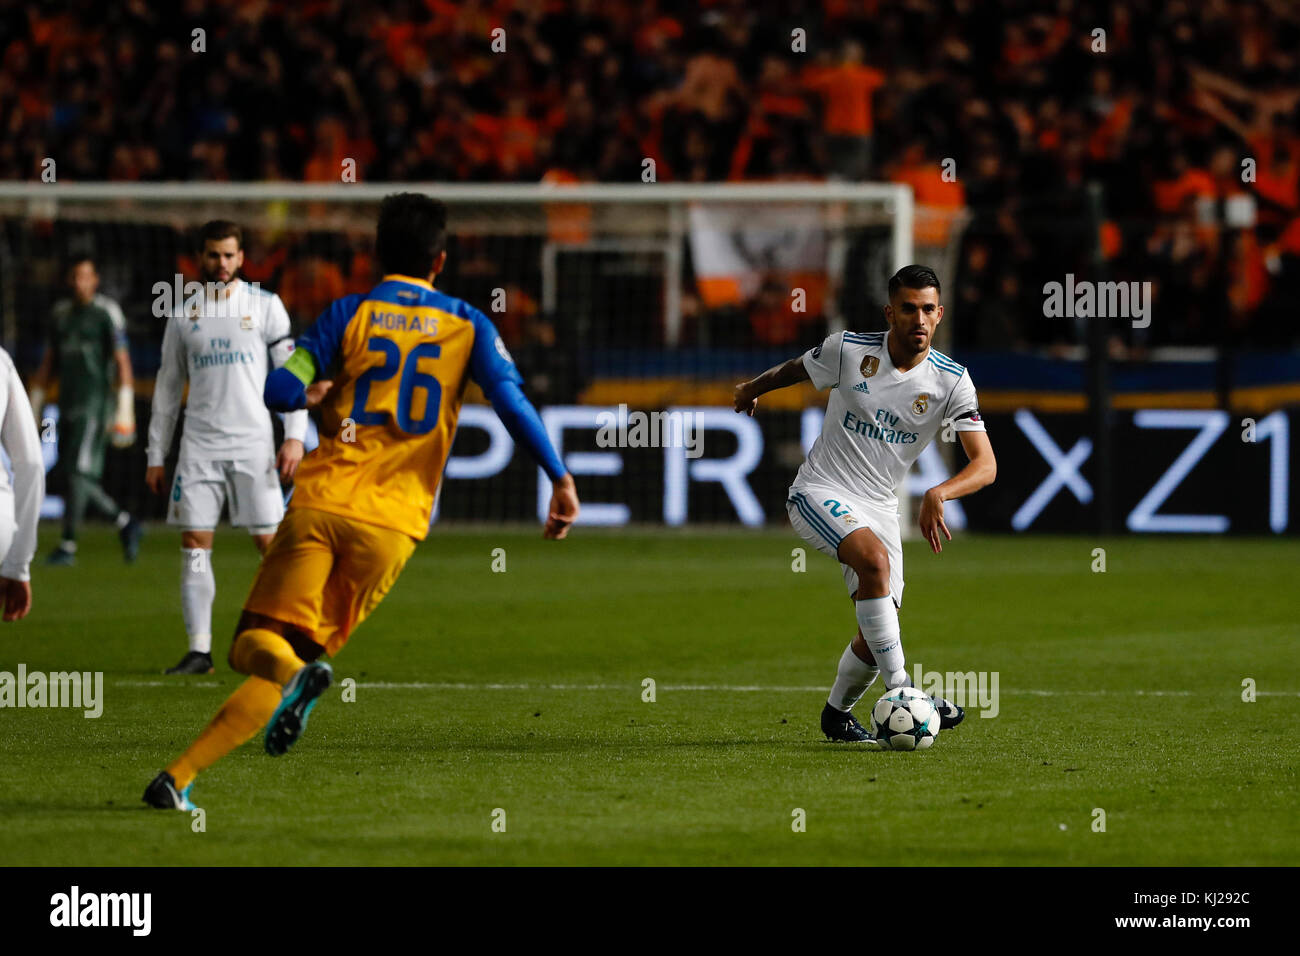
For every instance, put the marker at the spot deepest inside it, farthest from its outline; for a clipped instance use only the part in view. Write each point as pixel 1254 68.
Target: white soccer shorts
pixel 250 487
pixel 823 516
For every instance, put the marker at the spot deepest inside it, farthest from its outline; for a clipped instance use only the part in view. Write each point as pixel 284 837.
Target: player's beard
pixel 912 345
pixel 209 277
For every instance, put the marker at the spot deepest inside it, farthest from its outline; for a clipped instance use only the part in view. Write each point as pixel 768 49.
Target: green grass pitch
pixel 522 692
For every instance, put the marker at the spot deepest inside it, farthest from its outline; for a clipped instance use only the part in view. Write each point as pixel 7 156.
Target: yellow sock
pixel 264 654
pixel 244 713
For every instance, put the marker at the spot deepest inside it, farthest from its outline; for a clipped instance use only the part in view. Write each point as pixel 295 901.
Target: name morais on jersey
pixel 224 347
pixel 878 418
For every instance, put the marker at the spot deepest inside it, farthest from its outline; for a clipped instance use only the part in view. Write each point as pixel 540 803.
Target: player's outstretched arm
pixel 979 472
pixel 494 370
pixel 778 376
pixel 525 426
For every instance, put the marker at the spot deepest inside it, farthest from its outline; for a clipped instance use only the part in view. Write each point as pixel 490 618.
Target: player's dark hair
pixel 219 229
pixel 76 260
pixel 412 232
pixel 914 277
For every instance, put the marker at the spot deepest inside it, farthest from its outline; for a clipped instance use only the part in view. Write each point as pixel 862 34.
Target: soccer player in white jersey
pixel 20 501
pixel 220 342
pixel 891 394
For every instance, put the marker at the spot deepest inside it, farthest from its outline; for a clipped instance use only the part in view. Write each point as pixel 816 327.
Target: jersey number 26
pixel 412 378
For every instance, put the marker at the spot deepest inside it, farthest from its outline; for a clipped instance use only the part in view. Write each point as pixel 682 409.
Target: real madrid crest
pixel 922 402
pixel 246 323
pixel 869 366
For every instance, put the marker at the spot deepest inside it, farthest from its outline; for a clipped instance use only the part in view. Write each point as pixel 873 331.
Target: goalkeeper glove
pixel 124 421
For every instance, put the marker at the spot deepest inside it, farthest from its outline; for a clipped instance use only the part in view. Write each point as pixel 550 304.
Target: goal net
pixel 631 311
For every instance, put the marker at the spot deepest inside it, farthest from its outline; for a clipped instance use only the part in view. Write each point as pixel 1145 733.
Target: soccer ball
pixel 905 719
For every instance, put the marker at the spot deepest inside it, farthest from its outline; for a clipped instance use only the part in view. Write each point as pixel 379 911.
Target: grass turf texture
pixel 592 774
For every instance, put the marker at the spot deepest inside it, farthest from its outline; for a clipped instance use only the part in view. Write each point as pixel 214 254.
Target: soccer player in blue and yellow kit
pixel 388 372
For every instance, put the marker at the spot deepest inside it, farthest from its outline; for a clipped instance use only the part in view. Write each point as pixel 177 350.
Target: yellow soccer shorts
pixel 324 573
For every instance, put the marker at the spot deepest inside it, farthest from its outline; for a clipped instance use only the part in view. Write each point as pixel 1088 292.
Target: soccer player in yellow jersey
pixel 387 371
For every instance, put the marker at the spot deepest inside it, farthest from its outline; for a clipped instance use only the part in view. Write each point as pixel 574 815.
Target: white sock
pixel 198 591
pixel 878 621
pixel 852 680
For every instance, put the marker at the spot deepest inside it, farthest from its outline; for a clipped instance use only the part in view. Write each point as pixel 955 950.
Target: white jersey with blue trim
pixel 223 347
pixel 878 418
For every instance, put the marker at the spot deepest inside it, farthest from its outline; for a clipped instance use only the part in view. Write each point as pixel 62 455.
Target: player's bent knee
pixel 306 649
pixel 873 569
pixel 233 655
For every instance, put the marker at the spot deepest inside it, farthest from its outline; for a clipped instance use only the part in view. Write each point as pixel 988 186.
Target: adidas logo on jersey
pixel 862 387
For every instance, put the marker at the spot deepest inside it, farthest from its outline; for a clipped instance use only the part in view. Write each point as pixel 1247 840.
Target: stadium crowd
pixel 1185 112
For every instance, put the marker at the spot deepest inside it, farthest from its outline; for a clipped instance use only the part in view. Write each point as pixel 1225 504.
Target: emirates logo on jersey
pixel 921 404
pixel 869 366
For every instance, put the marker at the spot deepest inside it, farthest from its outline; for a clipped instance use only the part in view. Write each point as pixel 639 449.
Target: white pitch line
pixel 714 688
